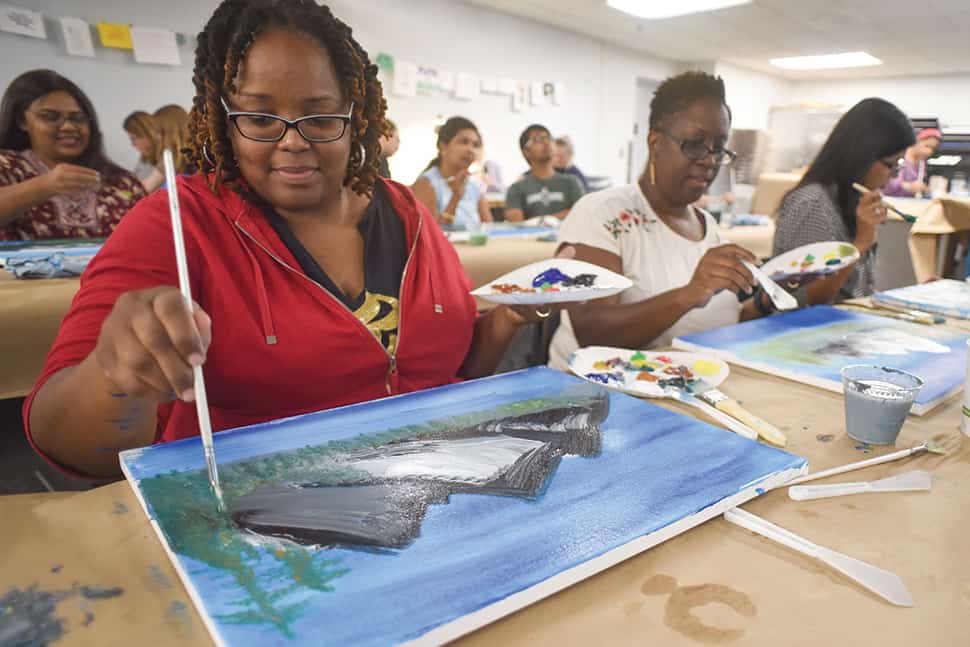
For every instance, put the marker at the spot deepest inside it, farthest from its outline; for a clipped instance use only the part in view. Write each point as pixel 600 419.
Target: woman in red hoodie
pixel 318 284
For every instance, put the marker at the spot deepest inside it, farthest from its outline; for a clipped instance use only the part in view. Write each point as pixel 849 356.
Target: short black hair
pixel 678 92
pixel 527 133
pixel 870 130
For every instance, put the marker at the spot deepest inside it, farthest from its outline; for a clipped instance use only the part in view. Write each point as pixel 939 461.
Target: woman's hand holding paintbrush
pixel 870 214
pixel 884 205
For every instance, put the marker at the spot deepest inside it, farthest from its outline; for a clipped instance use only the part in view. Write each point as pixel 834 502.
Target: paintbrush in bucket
pixel 201 401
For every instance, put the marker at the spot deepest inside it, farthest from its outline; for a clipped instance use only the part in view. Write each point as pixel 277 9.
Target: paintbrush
pixel 923 316
pixel 201 401
pixel 881 582
pixel 915 481
pixel 906 216
pixel 894 314
pixel 717 399
pixel 928 446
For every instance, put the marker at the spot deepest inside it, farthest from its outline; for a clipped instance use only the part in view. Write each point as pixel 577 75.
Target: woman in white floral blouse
pixel 55 180
pixel 686 277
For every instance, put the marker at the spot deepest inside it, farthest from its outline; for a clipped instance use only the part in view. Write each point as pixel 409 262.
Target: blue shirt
pixel 466 213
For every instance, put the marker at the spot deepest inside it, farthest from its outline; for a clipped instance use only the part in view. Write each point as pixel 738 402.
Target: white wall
pixel 600 80
pixel 945 97
pixel 114 83
pixel 752 94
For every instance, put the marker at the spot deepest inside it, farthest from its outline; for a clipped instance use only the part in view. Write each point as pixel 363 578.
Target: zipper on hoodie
pixel 391 357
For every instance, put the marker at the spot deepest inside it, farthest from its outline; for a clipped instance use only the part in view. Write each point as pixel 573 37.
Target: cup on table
pixel 877 401
pixel 478 234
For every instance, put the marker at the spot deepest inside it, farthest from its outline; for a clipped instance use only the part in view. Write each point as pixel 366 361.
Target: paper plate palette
pixel 810 262
pixel 639 372
pixel 557 280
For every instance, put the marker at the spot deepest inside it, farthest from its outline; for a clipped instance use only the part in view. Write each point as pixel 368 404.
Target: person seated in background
pixel 865 147
pixel 446 188
pixel 911 180
pixel 390 142
pixel 147 140
pixel 55 179
pixel 319 284
pixel 686 278
pixel 542 191
pixel 173 124
pixel 563 160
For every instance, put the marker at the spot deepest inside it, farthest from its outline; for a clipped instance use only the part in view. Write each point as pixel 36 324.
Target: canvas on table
pixel 946 297
pixel 422 517
pixel 813 345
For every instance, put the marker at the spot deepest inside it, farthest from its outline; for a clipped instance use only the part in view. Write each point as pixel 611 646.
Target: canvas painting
pixel 813 345
pixel 945 297
pixel 419 518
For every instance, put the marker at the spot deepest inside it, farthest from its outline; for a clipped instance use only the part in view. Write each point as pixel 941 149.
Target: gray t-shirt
pixel 810 214
pixel 537 197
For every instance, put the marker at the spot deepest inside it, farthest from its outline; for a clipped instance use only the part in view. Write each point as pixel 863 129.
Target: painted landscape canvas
pixel 946 297
pixel 813 345
pixel 419 518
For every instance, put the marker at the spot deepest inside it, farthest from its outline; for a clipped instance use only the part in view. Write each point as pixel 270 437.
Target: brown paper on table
pixel 715 584
pixel 30 314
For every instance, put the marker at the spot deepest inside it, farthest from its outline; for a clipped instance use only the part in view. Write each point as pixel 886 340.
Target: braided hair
pixel 222 45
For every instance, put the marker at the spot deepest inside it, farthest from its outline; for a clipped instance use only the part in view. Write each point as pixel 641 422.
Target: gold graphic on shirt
pixel 380 314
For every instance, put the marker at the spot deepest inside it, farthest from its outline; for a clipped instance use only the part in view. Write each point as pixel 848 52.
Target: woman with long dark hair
pixel 865 147
pixel 55 180
pixel 445 186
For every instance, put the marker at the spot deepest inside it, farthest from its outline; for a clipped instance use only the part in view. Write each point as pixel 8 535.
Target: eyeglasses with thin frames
pixel 696 150
pixel 57 119
pixel 265 127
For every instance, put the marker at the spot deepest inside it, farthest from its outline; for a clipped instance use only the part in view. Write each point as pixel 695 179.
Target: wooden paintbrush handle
pixel 766 430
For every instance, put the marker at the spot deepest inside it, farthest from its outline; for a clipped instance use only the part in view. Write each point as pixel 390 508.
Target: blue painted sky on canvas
pixel 655 467
pixel 775 340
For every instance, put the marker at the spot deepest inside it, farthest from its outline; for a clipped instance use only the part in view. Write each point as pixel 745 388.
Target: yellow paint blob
pixel 706 367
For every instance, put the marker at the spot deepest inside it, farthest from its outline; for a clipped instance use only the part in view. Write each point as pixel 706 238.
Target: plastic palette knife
pixel 914 481
pixel 883 583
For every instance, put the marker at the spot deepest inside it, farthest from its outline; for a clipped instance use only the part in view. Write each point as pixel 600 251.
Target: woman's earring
pixel 361 157
pixel 205 153
pixel 653 173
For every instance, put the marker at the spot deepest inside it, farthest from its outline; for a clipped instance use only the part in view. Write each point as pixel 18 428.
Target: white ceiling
pixel 912 37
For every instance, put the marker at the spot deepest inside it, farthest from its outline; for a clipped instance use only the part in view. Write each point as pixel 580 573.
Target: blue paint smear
pixel 778 341
pixel 656 467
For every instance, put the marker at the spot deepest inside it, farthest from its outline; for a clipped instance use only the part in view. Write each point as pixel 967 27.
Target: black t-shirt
pixel 385 254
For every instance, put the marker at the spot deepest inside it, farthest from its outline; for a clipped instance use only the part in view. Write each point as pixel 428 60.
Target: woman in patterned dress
pixel 55 179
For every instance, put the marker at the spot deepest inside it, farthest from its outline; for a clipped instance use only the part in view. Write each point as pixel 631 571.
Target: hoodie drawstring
pixel 265 315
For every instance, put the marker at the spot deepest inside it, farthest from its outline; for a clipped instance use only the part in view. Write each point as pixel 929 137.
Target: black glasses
pixel 696 150
pixel 57 119
pixel 263 127
pixel 894 167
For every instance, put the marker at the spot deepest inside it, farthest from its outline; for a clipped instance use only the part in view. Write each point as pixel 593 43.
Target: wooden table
pixel 714 585
pixel 30 314
pixel 31 310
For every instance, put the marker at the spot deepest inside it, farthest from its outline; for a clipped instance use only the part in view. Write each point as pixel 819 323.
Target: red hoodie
pixel 281 344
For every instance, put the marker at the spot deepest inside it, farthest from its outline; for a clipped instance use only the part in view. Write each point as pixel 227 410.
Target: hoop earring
pixel 361 157
pixel 205 153
pixel 653 173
